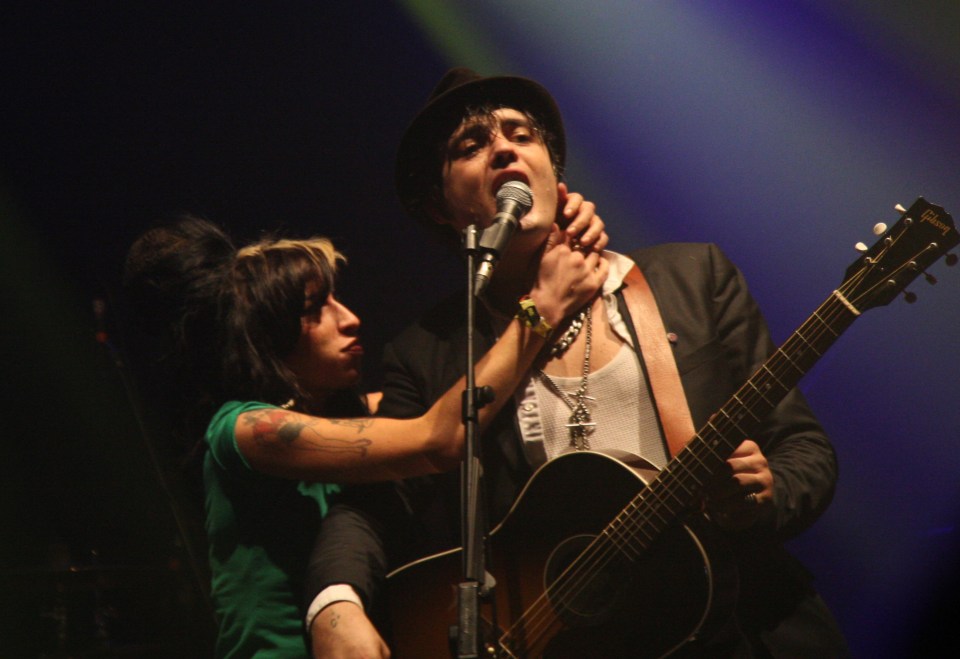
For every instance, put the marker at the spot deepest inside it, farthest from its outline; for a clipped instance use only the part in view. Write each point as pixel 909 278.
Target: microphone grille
pixel 517 192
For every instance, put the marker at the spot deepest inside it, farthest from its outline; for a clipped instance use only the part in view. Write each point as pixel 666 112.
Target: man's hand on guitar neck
pixel 743 493
pixel 343 631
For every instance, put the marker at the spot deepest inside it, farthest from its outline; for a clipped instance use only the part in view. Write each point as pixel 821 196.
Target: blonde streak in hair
pixel 250 251
pixel 319 250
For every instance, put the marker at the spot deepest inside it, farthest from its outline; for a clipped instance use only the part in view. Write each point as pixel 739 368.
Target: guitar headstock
pixel 923 234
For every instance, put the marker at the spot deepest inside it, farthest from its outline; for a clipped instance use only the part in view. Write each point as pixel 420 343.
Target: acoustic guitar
pixel 621 565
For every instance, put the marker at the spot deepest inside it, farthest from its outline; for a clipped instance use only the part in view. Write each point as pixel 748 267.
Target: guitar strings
pixel 603 550
pixel 633 519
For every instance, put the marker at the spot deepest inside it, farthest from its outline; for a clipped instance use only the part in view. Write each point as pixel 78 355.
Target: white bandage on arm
pixel 340 592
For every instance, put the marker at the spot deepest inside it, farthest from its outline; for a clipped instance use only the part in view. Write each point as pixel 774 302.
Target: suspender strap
pixel 657 356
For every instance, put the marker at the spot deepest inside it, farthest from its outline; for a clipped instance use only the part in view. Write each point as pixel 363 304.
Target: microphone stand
pixel 472 532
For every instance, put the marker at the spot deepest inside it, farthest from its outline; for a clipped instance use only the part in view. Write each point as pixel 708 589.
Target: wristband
pixel 530 316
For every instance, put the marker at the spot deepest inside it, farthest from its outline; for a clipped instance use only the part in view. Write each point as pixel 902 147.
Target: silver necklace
pixel 580 420
pixel 569 336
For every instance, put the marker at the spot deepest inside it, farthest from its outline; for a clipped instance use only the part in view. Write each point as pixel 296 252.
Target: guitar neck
pixel 680 485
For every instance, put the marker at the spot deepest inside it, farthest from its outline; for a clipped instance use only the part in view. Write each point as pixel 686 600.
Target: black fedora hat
pixel 459 89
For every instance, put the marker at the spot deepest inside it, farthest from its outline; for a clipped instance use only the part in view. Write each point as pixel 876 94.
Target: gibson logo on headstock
pixel 930 216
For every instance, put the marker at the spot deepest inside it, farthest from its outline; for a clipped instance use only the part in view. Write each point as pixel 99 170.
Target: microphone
pixel 514 200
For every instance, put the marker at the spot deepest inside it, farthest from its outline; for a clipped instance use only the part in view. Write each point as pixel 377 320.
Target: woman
pixel 270 355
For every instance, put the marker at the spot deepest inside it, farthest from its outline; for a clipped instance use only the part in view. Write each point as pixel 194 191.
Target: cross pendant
pixel 579 422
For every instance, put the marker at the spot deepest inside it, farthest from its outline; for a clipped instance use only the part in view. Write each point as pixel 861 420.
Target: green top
pixel 260 530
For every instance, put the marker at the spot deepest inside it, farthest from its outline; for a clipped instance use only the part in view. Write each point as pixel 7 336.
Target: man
pixel 592 391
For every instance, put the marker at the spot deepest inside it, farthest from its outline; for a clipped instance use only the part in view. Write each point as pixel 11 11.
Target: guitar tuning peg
pixel 899 208
pixel 930 278
pixel 861 247
pixel 910 297
pixel 879 228
pixel 951 259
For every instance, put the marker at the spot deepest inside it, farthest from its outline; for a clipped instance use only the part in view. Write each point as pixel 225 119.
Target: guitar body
pixel 606 606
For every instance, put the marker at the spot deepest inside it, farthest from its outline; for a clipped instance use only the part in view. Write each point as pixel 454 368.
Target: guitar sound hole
pixel 587 594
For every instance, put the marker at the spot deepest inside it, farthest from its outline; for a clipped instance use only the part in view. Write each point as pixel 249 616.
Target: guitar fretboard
pixel 679 487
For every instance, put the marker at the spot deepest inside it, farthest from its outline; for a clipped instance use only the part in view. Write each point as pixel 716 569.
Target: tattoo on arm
pixel 278 427
pixel 359 424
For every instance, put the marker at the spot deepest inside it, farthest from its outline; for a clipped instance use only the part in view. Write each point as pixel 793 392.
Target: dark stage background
pixel 781 131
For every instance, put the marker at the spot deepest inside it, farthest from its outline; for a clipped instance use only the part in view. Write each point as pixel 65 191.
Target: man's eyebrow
pixel 473 129
pixel 516 122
